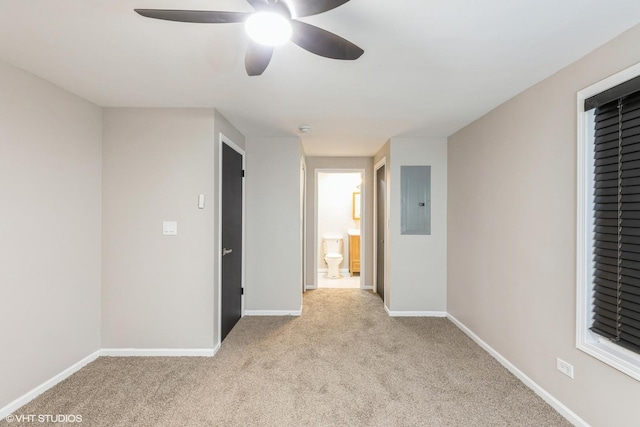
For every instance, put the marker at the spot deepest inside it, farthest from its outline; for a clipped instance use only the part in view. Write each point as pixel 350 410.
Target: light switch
pixel 201 201
pixel 170 228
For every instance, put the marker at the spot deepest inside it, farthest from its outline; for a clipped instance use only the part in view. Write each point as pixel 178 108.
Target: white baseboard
pixel 118 352
pixel 571 416
pixel 567 413
pixel 368 287
pixel 273 312
pixel 415 313
pixel 164 352
pixel 29 396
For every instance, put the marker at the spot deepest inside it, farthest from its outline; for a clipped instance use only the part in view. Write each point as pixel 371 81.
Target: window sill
pixel 613 355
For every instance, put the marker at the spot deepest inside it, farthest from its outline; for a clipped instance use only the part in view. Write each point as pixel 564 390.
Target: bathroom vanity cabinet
pixel 354 254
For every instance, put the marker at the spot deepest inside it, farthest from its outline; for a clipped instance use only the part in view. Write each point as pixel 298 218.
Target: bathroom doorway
pixel 339 219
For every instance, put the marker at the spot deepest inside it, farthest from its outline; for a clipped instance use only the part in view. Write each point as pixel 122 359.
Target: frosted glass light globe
pixel 268 28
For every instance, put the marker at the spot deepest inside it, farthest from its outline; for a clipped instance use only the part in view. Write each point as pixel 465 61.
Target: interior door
pixel 381 221
pixel 231 265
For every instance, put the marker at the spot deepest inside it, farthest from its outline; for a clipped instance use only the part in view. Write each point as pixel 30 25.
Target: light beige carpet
pixel 343 363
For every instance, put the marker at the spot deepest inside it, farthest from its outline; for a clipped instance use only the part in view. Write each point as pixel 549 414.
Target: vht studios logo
pixel 43 418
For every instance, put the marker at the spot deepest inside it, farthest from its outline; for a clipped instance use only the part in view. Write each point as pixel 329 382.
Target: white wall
pixel 50 231
pixel 335 214
pixel 512 237
pixel 158 291
pixel 418 264
pixel 273 224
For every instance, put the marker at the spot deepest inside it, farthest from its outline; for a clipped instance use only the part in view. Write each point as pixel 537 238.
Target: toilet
pixel 332 246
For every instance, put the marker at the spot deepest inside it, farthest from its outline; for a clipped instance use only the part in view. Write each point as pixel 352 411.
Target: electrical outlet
pixel 169 228
pixel 564 367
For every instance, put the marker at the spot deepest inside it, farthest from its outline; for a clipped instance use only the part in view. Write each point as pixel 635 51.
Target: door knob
pixel 226 251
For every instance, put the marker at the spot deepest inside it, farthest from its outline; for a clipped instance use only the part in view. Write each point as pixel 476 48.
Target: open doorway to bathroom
pixel 338 223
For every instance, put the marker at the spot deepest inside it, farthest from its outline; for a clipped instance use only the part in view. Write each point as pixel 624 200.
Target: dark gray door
pixel 381 221
pixel 231 239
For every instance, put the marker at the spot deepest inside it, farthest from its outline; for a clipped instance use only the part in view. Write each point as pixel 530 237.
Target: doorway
pixel 380 227
pixel 338 242
pixel 231 234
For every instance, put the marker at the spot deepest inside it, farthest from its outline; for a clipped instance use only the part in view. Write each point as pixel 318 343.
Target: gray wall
pixel 418 264
pixel 273 224
pixel 365 163
pixel 416 275
pixel 160 291
pixel 512 236
pixel 50 231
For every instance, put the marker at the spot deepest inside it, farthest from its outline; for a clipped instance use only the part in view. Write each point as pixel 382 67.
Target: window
pixel 608 306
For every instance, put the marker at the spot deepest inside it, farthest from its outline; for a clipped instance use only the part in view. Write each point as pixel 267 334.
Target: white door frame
pixel 376 170
pixel 223 139
pixel 363 220
pixel 303 183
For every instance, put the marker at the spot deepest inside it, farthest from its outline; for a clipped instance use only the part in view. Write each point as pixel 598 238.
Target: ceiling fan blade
pixel 258 4
pixel 196 16
pixel 257 58
pixel 322 42
pixel 313 7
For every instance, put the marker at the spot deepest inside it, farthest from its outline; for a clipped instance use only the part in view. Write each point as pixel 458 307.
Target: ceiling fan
pixel 270 25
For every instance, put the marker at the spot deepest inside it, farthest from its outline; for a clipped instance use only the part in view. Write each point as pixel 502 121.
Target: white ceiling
pixel 429 68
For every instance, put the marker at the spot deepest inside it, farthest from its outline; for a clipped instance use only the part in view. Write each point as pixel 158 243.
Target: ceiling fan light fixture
pixel 268 28
pixel 270 25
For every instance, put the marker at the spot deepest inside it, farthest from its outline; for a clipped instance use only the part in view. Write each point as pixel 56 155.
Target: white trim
pixel 608 83
pixel 160 352
pixel 131 352
pixel 586 341
pixel 315 229
pixel 37 391
pixel 115 352
pixel 415 313
pixel 223 139
pixel 567 413
pixel 273 312
pixel 303 220
pixel 367 287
